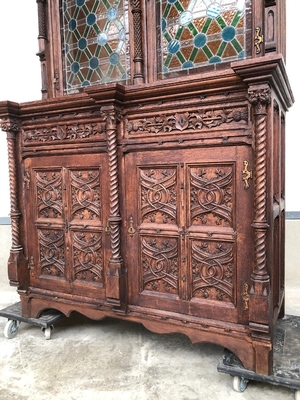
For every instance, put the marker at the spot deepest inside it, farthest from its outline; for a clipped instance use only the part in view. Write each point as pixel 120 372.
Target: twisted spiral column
pixel 114 217
pixel 137 35
pixel 260 99
pixel 11 127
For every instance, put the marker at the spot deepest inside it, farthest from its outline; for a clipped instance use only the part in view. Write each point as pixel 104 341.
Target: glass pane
pixel 200 32
pixel 96 42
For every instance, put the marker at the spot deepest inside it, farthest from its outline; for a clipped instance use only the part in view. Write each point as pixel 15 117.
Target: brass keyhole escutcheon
pixel 131 229
pixel 246 174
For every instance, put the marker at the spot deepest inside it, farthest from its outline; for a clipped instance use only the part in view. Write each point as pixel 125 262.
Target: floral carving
pixel 197 120
pixel 63 132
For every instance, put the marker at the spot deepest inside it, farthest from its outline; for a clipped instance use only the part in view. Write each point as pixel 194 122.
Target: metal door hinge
pixel 258 40
pixel 245 296
pixel 246 174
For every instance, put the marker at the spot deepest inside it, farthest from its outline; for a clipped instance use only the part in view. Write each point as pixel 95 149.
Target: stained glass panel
pixel 96 42
pixel 200 32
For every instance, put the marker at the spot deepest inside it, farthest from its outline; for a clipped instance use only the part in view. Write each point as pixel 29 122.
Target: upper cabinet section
pixel 94 42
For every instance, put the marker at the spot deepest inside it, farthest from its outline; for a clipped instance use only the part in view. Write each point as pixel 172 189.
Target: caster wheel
pixel 11 328
pixel 48 331
pixel 239 384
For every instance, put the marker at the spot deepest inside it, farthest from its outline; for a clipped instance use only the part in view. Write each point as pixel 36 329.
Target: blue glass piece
pixel 65 6
pixel 86 83
pixel 186 18
pixel 215 60
pixel 72 24
pixel 114 58
pixel 163 24
pixel 94 63
pixel 187 64
pixel 173 46
pixel 241 56
pixel 67 48
pixel 82 43
pixel 91 19
pixel 80 3
pixel 172 1
pixel 102 39
pixel 112 13
pixel 213 10
pixel 75 67
pixel 122 34
pixel 200 40
pixel 228 33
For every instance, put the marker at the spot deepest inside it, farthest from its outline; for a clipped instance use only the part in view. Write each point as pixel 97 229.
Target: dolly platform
pixel 286 364
pixel 14 314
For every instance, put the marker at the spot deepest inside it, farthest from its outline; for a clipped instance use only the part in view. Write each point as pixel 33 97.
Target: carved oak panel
pixel 49 193
pixel 52 252
pixel 211 189
pixel 158 195
pixel 159 257
pixel 213 269
pixel 88 257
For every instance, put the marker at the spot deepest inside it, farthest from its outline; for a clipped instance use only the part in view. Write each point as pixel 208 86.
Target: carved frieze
pixel 63 132
pixel 188 120
pixel 212 270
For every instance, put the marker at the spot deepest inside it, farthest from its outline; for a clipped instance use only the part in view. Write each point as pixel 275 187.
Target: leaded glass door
pixel 66 210
pixel 187 250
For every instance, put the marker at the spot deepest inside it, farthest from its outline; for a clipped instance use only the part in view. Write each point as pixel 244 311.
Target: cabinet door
pixel 66 209
pixel 190 249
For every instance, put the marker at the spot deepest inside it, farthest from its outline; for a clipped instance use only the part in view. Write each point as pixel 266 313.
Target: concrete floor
pixel 117 360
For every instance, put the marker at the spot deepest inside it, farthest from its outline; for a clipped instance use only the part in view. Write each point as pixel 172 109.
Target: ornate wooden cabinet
pixel 148 183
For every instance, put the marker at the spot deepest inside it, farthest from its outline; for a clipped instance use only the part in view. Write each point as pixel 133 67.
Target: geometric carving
pixel 195 120
pixel 212 270
pixel 85 186
pixel 63 132
pixel 52 257
pixel 49 193
pixel 160 264
pixel 88 259
pixel 211 195
pixel 158 195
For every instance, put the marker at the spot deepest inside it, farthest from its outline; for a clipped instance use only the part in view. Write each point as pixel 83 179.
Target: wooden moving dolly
pixel 286 363
pixel 46 320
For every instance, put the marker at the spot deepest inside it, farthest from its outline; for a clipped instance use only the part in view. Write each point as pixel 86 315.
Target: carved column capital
pixel 260 98
pixel 10 125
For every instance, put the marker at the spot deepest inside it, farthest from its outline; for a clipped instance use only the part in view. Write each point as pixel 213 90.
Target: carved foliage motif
pixel 49 193
pixel 212 270
pixel 52 256
pixel 158 195
pixel 160 264
pixel 196 120
pixel 85 187
pixel 63 132
pixel 211 195
pixel 88 259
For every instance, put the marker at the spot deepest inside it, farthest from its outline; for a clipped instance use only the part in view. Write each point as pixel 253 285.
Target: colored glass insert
pixel 96 37
pixel 200 32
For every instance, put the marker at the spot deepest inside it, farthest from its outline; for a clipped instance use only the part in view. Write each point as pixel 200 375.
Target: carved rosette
pixel 12 127
pixel 260 97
